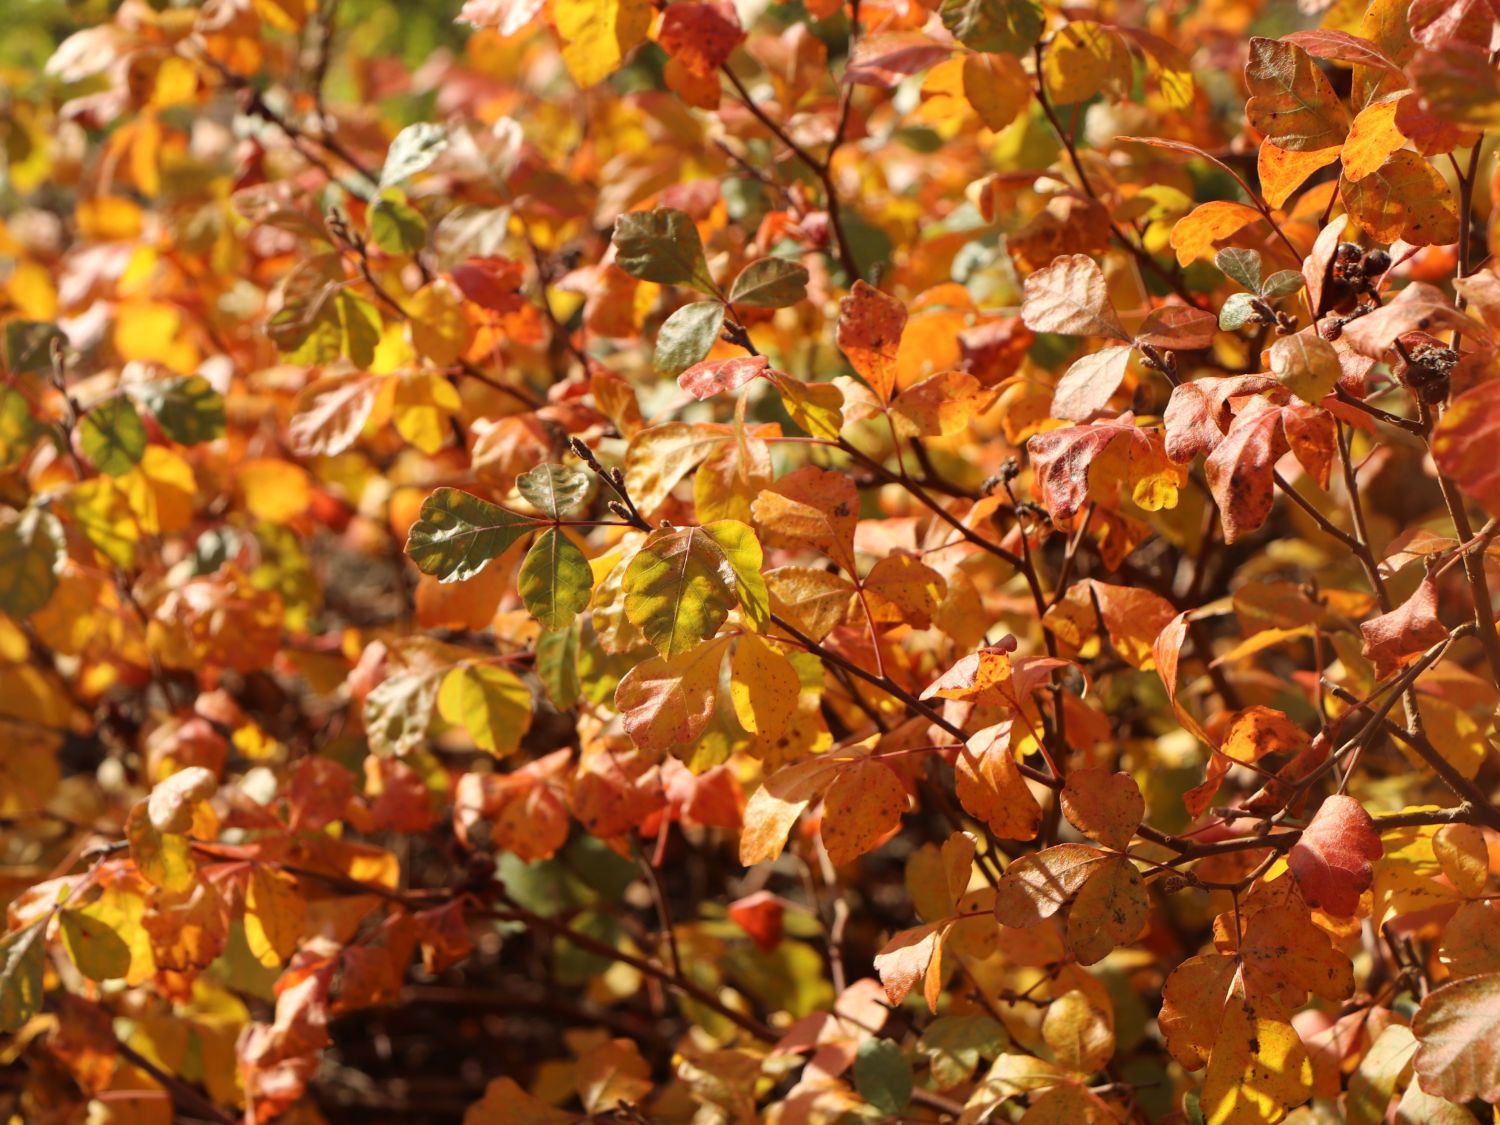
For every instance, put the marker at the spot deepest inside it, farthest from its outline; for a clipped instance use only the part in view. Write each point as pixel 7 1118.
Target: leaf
pixel 505 1102
pixel 1239 470
pixel 904 590
pixel 776 805
pixel 816 407
pixel 1080 1034
pixel 457 534
pixel 1306 364
pixel 861 808
pixel 942 405
pixel 173 801
pixel 995 86
pixel 162 858
pixel 187 408
pixel 1177 327
pixel 396 227
pixel 1461 442
pixel 869 334
pixel 1070 298
pixel 990 786
pixel 1005 27
pixel 679 588
pixel 742 549
pixel 1291 101
pixel 811 507
pixel 332 412
pixel 112 436
pixel 814 601
pixel 555 580
pixel 763 687
pixel 1392 639
pixel 688 335
pixel 718 376
pixel 31 551
pixel 23 961
pixel 96 949
pixel 1372 138
pixel 1106 806
pixel 554 490
pixel 1085 58
pixel 412 150
pixel 1456 84
pixel 1330 43
pixel 1194 235
pixel 1457 1029
pixel 1331 859
pixel 1405 199
pixel 490 703
pixel 1239 265
pixel 1037 886
pixel 911 956
pixel 1110 909
pixel 1087 386
pixel 882 1075
pixel 666 704
pixel 661 246
pixel 1259 1069
pixel 769 283
pixel 274 914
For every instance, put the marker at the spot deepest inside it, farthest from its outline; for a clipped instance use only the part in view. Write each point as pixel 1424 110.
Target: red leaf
pixel 760 915
pixel 1331 861
pixel 715 376
pixel 1406 631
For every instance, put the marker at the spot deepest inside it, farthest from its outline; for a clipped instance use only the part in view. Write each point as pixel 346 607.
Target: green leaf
pixel 98 951
pixel 554 489
pixel 23 959
pixel 555 580
pixel 414 148
pixel 360 326
pixel 187 408
pixel 740 546
pixel 1307 365
pixel 31 550
pixel 679 588
pixel 18 429
pixel 687 336
pixel 1005 27
pixel 882 1075
pixel 113 436
pixel 396 227
pixel 1240 265
pixel 28 345
pixel 1282 283
pixel 661 246
pixel 457 534
pixel 1237 311
pixel 770 283
pixel 954 1046
pixel 557 666
pixel 490 703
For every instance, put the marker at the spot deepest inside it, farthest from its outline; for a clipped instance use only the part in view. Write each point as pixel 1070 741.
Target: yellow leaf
pixel 763 687
pixel 490 703
pixel 31 289
pixel 422 405
pixel 1258 1070
pixel 598 34
pixel 161 489
pixel 439 329
pixel 275 491
pixel 152 332
pixel 274 913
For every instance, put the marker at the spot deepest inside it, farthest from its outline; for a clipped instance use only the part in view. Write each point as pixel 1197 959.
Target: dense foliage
pixel 698 562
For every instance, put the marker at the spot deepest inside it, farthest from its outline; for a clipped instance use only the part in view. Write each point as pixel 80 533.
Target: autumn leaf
pixel 457 534
pixel 1455 1030
pixel 869 334
pixel 1331 859
pixel 1069 297
pixel 1291 101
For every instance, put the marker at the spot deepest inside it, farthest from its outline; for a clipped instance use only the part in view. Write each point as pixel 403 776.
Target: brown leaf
pixel 1070 297
pixel 1408 630
pixel 869 334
